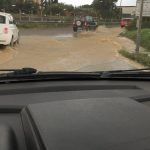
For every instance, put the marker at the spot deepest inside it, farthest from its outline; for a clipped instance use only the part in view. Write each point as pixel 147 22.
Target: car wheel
pixel 75 29
pixel 18 40
pixel 12 42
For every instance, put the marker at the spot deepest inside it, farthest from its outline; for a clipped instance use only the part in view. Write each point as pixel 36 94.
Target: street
pixel 63 50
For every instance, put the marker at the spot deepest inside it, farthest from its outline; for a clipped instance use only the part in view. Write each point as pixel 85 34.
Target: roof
pixel 126 6
pixel 4 14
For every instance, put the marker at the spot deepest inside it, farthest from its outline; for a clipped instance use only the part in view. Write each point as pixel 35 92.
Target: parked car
pixel 9 33
pixel 125 22
pixel 84 23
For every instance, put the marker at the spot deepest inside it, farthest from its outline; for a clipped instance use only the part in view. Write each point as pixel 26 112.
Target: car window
pixel 89 18
pixel 2 19
pixel 11 21
pixel 77 18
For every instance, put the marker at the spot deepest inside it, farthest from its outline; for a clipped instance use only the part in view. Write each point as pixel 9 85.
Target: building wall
pixel 129 10
pixel 39 1
pixel 146 8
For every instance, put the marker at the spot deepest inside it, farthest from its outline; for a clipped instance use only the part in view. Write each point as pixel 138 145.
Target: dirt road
pixel 61 50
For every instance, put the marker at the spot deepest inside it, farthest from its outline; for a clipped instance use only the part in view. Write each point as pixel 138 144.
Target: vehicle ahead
pixel 9 33
pixel 84 23
pixel 125 22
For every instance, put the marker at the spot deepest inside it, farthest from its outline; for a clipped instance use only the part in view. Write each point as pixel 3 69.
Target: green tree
pixel 58 8
pixel 106 8
pixel 86 10
pixel 6 5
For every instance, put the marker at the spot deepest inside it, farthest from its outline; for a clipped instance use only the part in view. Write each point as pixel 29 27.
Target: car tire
pixel 12 42
pixel 18 40
pixel 75 29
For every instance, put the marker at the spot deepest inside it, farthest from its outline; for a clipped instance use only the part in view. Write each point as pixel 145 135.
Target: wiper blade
pixel 134 73
pixel 31 74
pixel 18 72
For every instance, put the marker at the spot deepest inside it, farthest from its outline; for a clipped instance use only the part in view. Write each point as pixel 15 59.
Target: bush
pixel 132 25
pixel 141 58
pixel 145 37
pixel 130 34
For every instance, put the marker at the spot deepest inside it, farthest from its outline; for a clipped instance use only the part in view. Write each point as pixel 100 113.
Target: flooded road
pixel 63 50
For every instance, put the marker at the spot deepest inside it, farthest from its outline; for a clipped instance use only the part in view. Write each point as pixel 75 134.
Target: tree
pixel 86 10
pixel 106 8
pixel 14 6
pixel 58 9
pixel 6 5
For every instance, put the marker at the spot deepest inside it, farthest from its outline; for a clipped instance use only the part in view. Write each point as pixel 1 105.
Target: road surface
pixel 62 50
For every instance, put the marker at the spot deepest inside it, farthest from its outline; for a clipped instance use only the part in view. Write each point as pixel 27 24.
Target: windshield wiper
pixel 31 74
pixel 134 73
pixel 18 72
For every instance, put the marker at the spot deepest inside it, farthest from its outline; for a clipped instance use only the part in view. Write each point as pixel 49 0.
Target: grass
pixel 141 58
pixel 41 25
pixel 145 37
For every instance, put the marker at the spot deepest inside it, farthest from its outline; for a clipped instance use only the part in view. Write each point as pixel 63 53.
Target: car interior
pixel 39 115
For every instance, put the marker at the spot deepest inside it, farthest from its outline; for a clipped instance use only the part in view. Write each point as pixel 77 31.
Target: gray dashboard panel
pixel 99 114
pixel 104 123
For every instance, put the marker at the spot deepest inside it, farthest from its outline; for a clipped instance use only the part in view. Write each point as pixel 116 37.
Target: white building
pixel 36 1
pixel 146 8
pixel 128 11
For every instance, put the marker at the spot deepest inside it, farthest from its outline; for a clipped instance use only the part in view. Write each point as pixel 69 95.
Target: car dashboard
pixel 71 115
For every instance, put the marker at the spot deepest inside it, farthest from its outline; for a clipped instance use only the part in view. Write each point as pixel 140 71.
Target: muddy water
pixel 67 51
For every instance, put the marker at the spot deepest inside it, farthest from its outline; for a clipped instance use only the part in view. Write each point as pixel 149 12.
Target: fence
pixel 20 19
pixel 108 21
pixel 24 19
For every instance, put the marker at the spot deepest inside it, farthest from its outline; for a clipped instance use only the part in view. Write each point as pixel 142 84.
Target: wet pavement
pixel 63 50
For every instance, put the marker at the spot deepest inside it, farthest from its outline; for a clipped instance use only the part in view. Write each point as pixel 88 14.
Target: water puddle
pixel 63 36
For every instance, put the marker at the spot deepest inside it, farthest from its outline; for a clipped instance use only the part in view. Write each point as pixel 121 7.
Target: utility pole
pixel 139 26
pixel 121 8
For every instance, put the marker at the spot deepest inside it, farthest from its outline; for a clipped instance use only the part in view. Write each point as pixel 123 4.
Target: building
pixel 128 11
pixel 146 8
pixel 40 1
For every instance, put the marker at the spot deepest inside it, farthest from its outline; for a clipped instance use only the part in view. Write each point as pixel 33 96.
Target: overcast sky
pixel 82 2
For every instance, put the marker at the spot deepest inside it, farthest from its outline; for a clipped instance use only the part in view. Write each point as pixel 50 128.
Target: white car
pixel 9 33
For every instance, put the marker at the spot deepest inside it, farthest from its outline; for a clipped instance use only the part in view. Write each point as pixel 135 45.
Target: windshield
pixel 89 18
pixel 2 19
pixel 78 36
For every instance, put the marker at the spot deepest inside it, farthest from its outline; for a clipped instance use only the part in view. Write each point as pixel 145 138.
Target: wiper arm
pixel 18 72
pixel 134 73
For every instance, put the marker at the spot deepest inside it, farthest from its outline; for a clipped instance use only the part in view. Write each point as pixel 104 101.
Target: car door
pixel 13 28
pixel 2 24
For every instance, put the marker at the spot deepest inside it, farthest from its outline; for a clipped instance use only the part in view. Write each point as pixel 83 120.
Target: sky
pixel 83 2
